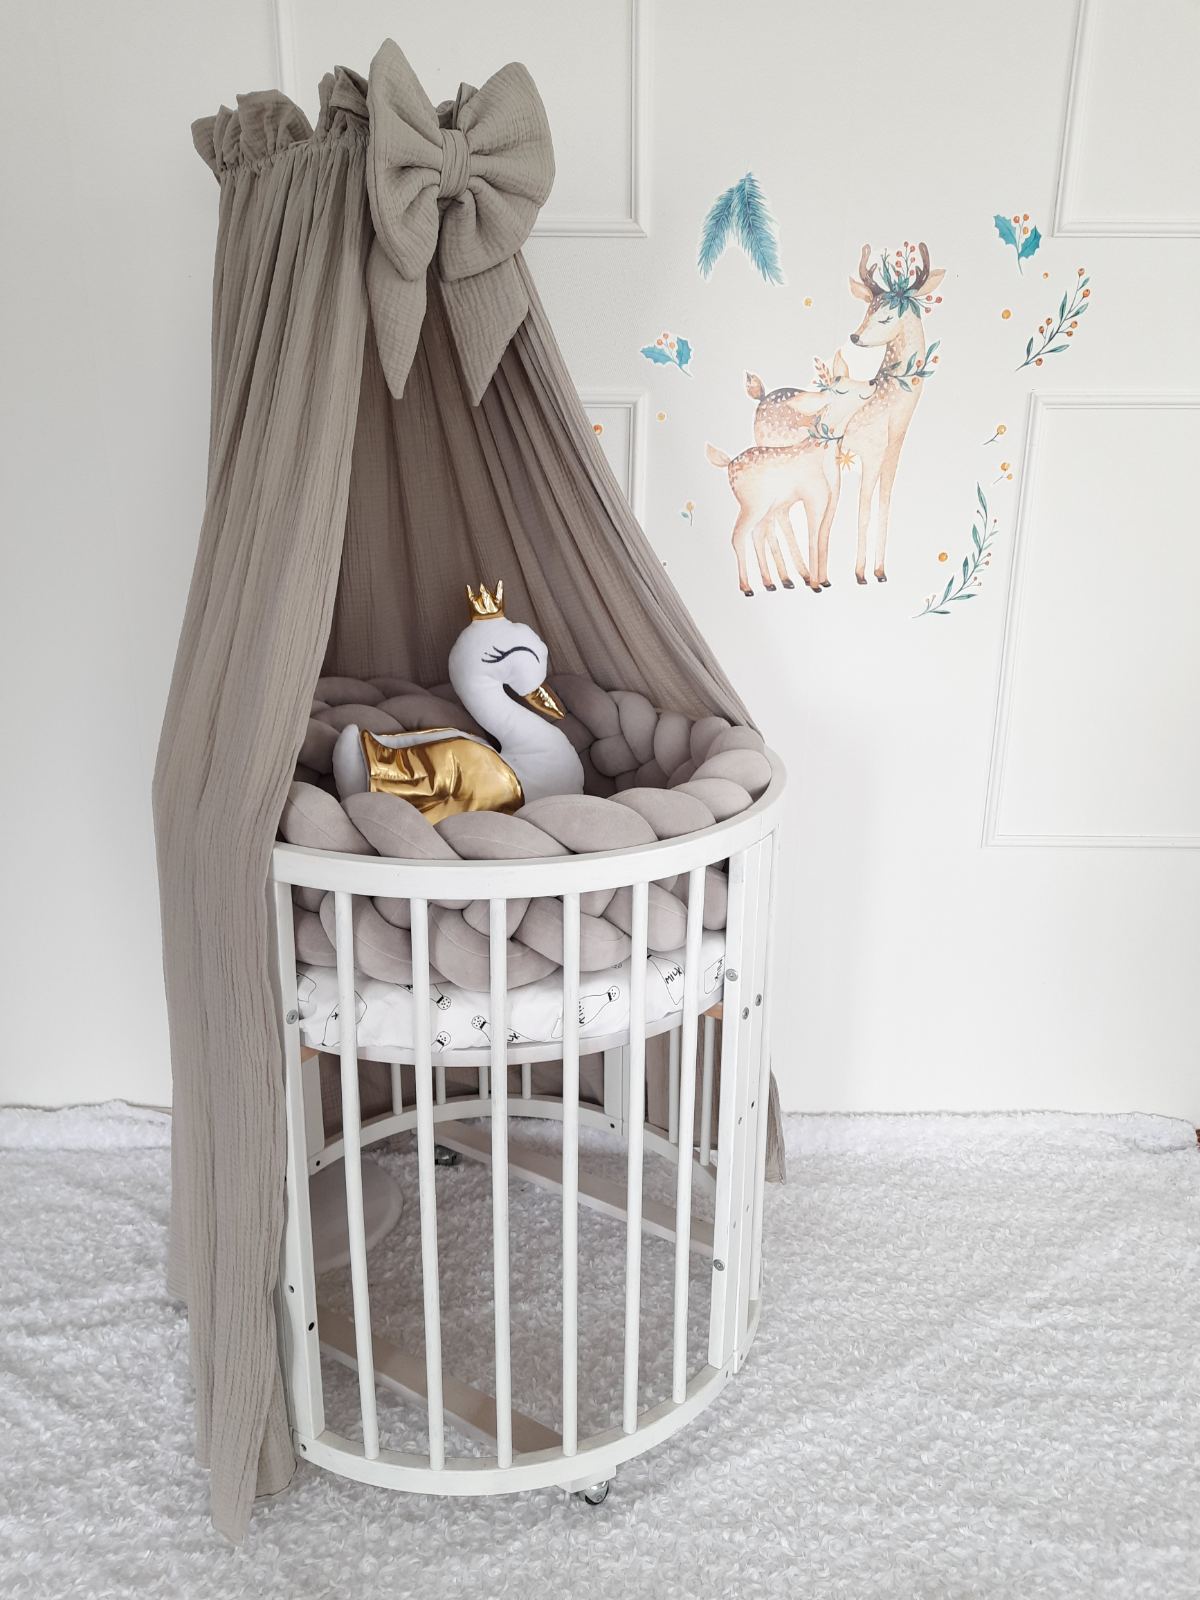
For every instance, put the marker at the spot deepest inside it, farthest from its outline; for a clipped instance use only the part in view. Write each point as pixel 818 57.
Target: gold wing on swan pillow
pixel 447 772
pixel 498 670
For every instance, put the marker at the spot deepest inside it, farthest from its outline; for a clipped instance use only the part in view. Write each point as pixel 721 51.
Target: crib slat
pixel 498 1025
pixel 686 1122
pixel 397 1089
pixel 427 1183
pixel 634 1144
pixel 570 1174
pixel 706 1092
pixel 673 1087
pixel 526 1080
pixel 352 1163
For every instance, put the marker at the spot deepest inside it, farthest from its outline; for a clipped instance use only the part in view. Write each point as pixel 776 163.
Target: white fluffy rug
pixel 977 1376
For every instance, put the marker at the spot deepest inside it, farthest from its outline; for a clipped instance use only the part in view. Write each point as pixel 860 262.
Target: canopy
pixel 390 416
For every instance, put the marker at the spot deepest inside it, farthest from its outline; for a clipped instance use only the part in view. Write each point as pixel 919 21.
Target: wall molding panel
pixel 635 223
pixel 1015 646
pixel 1175 130
pixel 630 406
pixel 631 223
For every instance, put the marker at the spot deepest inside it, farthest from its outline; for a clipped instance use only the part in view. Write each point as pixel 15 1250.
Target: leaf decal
pixel 715 234
pixel 654 352
pixel 683 352
pixel 1021 234
pixel 1071 307
pixel 741 211
pixel 975 562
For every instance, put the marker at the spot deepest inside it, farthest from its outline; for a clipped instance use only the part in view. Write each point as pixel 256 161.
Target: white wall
pixel 991 877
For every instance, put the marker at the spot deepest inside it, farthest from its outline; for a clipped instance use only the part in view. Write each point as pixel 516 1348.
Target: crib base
pixel 543 1467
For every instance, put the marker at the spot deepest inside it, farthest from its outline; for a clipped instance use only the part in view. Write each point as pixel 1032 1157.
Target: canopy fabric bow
pixel 462 185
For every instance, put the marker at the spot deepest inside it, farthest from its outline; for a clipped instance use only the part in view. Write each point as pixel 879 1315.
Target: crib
pixel 728 1161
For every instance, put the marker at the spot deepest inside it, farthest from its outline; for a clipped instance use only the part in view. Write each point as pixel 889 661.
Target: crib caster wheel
pixel 597 1494
pixel 443 1156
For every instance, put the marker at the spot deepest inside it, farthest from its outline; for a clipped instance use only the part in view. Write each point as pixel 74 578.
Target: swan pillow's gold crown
pixel 485 603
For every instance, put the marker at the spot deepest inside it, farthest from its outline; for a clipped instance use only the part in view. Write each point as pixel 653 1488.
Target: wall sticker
pixel 1021 234
pixel 796 460
pixel 1064 326
pixel 670 350
pixel 898 292
pixel 804 438
pixel 741 214
pixel 965 585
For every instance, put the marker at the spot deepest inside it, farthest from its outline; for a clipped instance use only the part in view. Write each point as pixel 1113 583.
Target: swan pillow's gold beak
pixel 545 700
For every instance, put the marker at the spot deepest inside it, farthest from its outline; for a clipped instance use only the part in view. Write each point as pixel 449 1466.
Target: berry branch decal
pixel 822 435
pixel 965 586
pixel 1019 232
pixel 916 368
pixel 670 350
pixel 1063 326
pixel 743 213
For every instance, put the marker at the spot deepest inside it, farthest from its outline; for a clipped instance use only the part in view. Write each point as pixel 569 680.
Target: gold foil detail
pixel 485 603
pixel 544 699
pixel 443 776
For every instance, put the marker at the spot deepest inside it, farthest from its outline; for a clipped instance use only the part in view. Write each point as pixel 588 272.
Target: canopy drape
pixel 341 520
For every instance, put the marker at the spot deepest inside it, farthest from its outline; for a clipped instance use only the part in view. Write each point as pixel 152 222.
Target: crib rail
pixel 523 1452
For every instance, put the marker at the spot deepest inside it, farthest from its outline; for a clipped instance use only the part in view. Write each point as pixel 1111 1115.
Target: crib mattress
pixel 535 1010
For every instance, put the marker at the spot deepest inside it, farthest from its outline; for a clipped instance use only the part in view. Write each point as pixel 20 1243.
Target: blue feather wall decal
pixel 715 234
pixel 742 212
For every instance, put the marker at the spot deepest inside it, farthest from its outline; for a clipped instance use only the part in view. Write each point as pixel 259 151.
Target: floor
pixel 976 1376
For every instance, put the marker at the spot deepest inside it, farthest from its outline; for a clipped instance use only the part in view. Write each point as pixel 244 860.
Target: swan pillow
pixel 498 669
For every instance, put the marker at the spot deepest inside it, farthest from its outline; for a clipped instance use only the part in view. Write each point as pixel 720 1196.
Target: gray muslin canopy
pixel 391 417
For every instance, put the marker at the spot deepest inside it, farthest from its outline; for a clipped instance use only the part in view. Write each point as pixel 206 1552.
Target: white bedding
pixel 535 1010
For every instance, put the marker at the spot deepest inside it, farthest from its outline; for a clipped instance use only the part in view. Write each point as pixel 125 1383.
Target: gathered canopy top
pixel 464 182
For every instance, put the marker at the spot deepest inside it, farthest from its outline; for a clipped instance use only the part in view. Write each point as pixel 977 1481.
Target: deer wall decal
pixel 876 432
pixel 769 479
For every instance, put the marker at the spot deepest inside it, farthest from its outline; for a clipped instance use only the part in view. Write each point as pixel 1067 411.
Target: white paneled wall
pixel 968 922
pixel 1099 687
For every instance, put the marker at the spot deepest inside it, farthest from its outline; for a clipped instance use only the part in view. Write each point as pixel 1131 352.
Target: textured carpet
pixel 977 1376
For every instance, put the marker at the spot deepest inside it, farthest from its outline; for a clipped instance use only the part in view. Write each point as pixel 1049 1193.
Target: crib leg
pixel 741 1045
pixel 297 1292
pixel 614 1088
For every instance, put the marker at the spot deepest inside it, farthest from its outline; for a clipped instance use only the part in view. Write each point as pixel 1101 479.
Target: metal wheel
pixel 443 1156
pixel 597 1494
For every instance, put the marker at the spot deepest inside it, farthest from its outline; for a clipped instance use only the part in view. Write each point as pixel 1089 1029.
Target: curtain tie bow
pixel 459 188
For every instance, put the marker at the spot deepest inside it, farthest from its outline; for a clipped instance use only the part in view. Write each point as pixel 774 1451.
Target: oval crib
pixel 529 1454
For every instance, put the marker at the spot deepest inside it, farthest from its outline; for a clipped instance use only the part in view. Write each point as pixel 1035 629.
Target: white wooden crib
pixel 524 1453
